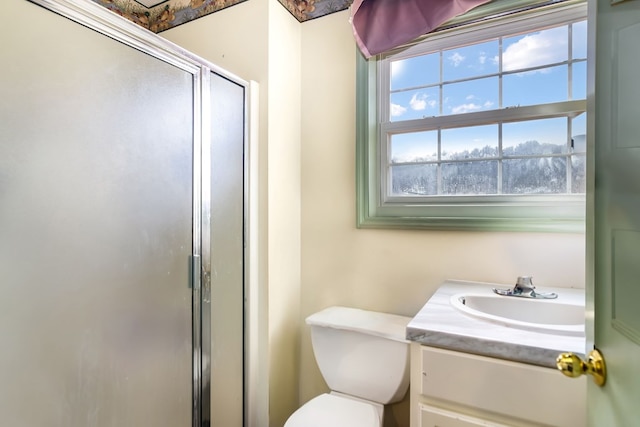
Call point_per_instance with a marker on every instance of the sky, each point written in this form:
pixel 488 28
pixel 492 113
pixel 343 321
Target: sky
pixel 479 61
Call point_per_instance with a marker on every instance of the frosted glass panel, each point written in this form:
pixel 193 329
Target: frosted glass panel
pixel 95 229
pixel 227 253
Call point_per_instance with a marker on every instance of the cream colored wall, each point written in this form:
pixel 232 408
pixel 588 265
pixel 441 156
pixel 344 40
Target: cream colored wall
pixel 313 256
pixel 259 40
pixel 386 270
pixel 284 212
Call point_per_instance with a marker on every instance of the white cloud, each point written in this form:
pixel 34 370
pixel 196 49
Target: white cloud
pixel 482 58
pixel 418 102
pixel 544 47
pixel 397 110
pixel 456 59
pixel 465 108
pixel 488 104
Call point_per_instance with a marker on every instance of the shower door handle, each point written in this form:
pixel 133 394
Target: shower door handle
pixel 194 272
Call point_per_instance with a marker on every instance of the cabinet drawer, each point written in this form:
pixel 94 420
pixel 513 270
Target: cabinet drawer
pixel 430 416
pixel 503 387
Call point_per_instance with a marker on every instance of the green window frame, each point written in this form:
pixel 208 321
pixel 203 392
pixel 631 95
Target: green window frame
pixel 377 209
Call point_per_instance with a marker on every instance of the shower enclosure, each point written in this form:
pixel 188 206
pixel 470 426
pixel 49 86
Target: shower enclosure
pixel 121 188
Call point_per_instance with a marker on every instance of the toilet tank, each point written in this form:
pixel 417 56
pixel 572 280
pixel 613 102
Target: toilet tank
pixel 362 353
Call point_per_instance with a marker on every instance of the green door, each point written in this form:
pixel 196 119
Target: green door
pixel 613 232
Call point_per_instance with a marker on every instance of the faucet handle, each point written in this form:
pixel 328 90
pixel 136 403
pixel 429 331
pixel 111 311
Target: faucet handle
pixel 525 282
pixel 524 288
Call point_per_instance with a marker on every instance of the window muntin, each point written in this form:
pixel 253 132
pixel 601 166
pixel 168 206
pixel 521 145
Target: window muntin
pixel 471 78
pixel 477 147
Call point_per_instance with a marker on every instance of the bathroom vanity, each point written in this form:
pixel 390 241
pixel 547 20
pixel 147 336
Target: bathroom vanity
pixel 468 369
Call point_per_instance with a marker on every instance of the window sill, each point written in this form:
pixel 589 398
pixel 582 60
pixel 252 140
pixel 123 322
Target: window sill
pixel 469 218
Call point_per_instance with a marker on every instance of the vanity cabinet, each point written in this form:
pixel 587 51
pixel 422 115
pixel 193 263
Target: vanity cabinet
pixel 456 389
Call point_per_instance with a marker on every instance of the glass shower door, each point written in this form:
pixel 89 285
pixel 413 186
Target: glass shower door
pixel 96 208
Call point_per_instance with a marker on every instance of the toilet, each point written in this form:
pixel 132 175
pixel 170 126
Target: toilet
pixel 364 358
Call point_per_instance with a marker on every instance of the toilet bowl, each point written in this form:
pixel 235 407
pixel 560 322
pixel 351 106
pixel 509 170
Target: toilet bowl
pixel 364 358
pixel 331 409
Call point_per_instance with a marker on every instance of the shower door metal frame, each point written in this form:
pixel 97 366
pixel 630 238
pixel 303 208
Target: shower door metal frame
pixel 97 18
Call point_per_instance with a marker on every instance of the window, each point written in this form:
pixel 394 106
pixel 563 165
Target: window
pixel 480 127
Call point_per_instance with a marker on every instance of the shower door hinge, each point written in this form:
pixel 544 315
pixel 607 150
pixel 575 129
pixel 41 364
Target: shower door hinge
pixel 194 272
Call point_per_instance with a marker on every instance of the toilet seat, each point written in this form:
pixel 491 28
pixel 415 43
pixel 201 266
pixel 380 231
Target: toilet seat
pixel 329 410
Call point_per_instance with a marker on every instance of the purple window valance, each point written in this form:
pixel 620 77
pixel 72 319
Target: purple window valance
pixel 381 25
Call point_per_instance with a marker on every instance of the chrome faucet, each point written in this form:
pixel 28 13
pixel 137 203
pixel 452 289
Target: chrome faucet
pixel 524 288
pixel 524 284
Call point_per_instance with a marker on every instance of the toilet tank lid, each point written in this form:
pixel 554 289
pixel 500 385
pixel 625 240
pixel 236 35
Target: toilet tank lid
pixel 390 326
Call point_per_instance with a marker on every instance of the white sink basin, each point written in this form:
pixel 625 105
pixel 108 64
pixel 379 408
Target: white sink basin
pixel 550 316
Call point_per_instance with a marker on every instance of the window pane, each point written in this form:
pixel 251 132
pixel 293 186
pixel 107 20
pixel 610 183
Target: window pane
pixel 535 87
pixel 535 137
pixel 470 61
pixel 414 147
pixel 470 178
pixel 412 180
pixel 470 96
pixel 414 104
pixel 535 49
pixel 579 80
pixel 418 71
pixel 474 146
pixel 579 174
pixel 579 39
pixel 470 143
pixel 579 133
pixel 534 176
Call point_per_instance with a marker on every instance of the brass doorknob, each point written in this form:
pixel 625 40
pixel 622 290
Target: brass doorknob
pixel 572 366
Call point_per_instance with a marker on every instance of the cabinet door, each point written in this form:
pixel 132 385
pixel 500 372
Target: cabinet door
pixel 502 387
pixel 431 416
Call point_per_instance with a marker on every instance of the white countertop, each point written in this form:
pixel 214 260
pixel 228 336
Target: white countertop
pixel 438 324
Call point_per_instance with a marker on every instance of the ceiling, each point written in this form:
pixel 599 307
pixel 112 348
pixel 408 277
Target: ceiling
pixel 160 15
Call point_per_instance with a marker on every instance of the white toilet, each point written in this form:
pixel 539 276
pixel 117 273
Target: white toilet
pixel 364 358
